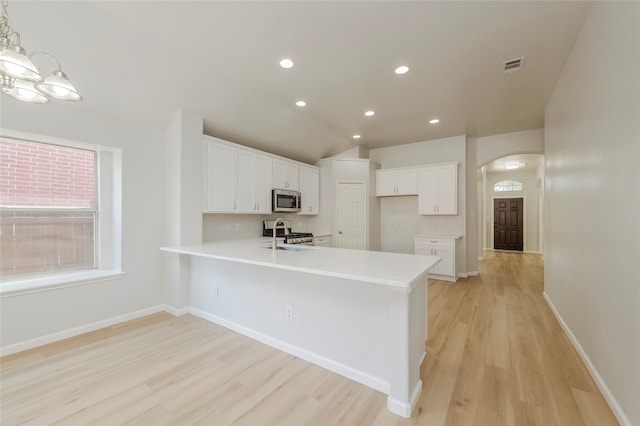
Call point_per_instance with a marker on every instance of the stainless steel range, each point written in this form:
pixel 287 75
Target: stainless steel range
pixel 305 238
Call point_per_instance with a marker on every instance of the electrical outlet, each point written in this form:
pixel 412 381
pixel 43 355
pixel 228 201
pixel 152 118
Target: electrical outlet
pixel 288 312
pixel 215 292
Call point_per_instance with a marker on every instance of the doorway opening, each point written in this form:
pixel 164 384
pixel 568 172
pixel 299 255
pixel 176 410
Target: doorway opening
pixel 517 176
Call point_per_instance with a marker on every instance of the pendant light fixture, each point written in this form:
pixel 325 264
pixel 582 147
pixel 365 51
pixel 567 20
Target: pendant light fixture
pixel 20 78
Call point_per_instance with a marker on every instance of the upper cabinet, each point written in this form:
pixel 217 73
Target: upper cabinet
pixel 310 190
pixel 396 182
pixel 438 190
pixel 221 178
pixel 254 183
pixel 239 179
pixel 285 175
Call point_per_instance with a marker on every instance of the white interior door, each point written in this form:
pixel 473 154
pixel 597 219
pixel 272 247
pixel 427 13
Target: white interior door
pixel 350 216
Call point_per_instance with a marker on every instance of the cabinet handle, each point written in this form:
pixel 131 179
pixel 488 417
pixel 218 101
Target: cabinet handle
pixel 234 205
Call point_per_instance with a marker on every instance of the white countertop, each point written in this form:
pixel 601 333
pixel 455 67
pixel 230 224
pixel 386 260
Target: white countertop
pixel 391 269
pixel 452 236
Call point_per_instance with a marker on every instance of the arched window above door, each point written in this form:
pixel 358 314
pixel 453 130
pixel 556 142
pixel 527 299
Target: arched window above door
pixel 507 186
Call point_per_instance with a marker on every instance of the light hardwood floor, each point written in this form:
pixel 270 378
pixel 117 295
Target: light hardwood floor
pixel 496 356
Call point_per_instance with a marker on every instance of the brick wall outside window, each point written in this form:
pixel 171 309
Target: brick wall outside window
pixel 36 174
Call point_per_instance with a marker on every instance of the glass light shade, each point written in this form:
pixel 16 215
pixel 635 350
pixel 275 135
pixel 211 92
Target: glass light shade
pixel 58 86
pixel 25 91
pixel 15 63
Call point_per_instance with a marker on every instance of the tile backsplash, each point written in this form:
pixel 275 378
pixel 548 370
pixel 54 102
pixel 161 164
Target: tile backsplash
pixel 217 227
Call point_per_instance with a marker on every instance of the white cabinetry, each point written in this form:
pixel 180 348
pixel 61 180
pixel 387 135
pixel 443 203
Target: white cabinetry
pixel 310 190
pixel 254 183
pixel 322 241
pixel 238 179
pixel 285 175
pixel 438 190
pixel 395 182
pixel 443 247
pixel 221 182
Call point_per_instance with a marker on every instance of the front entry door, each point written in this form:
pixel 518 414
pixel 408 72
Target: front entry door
pixel 507 225
pixel 350 216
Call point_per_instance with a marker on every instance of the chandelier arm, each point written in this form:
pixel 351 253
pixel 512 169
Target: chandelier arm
pixel 32 54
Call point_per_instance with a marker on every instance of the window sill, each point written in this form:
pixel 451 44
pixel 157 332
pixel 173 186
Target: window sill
pixel 54 282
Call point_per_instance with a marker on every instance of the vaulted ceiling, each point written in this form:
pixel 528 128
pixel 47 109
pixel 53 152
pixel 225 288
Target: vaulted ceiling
pixel 143 61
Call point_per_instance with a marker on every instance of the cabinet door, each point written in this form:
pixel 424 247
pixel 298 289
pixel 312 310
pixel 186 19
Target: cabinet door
pixel 246 182
pixel 221 178
pixel 254 183
pixel 407 182
pixel 385 183
pixel 445 266
pixel 427 191
pixel 447 190
pixel 285 175
pixel 310 190
pixel 263 184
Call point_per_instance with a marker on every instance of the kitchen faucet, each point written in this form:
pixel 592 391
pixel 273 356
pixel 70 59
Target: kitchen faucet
pixel 274 244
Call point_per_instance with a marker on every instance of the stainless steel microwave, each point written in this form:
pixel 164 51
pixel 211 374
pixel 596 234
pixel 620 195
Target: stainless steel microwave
pixel 286 201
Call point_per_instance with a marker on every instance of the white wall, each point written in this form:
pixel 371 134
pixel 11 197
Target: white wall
pixel 592 272
pixel 473 212
pixel 183 201
pixel 345 168
pixel 399 219
pixel 218 227
pixel 34 316
pixel 497 146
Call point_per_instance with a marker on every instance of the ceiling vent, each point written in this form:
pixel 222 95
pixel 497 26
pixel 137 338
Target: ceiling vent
pixel 513 65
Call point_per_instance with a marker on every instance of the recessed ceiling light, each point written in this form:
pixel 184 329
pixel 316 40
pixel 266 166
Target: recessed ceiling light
pixel 301 103
pixel 434 121
pixel 356 136
pixel 286 63
pixel 513 165
pixel 402 69
pixel 370 113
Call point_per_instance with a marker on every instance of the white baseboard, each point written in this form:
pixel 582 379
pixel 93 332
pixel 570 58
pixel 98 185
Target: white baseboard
pixel 472 273
pixel 175 311
pixel 481 258
pixel 331 365
pixel 608 396
pixel 533 251
pixel 463 275
pixel 72 332
pixel 402 408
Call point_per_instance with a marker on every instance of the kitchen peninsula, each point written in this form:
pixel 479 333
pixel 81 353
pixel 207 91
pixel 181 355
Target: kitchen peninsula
pixel 361 314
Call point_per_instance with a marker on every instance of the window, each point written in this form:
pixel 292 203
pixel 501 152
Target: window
pixel 507 186
pixel 48 201
pixel 59 210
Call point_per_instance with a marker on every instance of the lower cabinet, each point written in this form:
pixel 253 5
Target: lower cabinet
pixel 444 247
pixel 322 241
